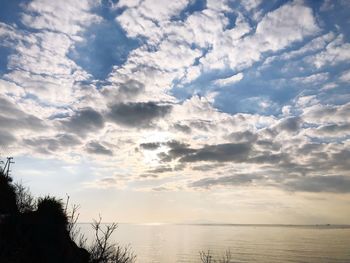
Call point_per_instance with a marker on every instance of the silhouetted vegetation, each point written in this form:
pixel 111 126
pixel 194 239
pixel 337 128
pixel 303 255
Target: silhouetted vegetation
pixel 207 257
pixel 43 230
pixel 24 199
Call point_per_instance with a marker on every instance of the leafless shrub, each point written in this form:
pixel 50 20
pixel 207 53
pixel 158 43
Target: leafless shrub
pixel 207 257
pixel 102 251
pixel 24 199
pixel 72 227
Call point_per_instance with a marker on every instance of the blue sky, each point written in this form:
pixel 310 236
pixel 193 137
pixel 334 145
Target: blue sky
pixel 155 102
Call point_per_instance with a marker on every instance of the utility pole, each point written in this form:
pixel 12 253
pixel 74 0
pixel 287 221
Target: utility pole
pixel 6 170
pixel 1 169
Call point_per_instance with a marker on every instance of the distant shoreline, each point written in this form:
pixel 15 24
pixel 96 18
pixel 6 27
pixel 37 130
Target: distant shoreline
pixel 333 226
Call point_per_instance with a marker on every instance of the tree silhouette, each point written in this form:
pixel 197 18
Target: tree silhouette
pixel 43 231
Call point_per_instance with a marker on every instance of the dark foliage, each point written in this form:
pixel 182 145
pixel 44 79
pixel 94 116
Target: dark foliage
pixel 25 201
pixel 51 209
pixel 43 231
pixel 7 196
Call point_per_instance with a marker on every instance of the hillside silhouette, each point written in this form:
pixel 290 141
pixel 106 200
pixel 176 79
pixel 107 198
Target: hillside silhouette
pixel 41 231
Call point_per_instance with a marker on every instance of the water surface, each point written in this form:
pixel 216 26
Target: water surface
pixel 247 243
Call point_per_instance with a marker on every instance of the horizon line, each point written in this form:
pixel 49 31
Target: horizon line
pixel 221 224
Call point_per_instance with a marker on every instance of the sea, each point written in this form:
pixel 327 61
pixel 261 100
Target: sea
pixel 168 243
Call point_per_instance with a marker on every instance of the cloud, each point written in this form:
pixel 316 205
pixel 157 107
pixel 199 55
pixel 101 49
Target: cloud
pixel 126 90
pixel 182 127
pixel 345 76
pixel 150 145
pixel 6 138
pixel 327 113
pixel 329 130
pixel 336 52
pixel 220 153
pixel 332 184
pixel 243 136
pixel 314 79
pixel 179 52
pixel 251 4
pixel 177 149
pixel 315 45
pixel 315 184
pixel 55 16
pixel 49 145
pixel 278 29
pixel 97 148
pixel 13 118
pixel 137 114
pixel 233 180
pixel 161 169
pixel 290 124
pixel 230 80
pixel 289 23
pixel 83 121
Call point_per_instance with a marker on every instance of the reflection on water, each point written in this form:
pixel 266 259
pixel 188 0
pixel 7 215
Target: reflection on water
pixel 182 243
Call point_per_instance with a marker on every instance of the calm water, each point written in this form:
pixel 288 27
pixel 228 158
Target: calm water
pixel 182 243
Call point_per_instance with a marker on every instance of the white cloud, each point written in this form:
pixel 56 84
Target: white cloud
pixel 251 4
pixel 323 114
pixel 312 46
pixel 336 52
pixel 69 18
pixel 230 80
pixel 289 23
pixel 278 29
pixel 314 79
pixel 345 76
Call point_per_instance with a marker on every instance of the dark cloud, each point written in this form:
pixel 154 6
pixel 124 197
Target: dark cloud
pixel 329 112
pixel 182 127
pixel 268 145
pixel 161 169
pixel 26 121
pixel 267 157
pixel 127 90
pixel 150 145
pixel 148 175
pixel 46 145
pixel 332 184
pixel 131 88
pixel 12 118
pixel 68 139
pixel 83 121
pixel 292 124
pixel 240 179
pixel 203 125
pixel 245 136
pixel 220 153
pixel 6 138
pixel 177 149
pixel 8 108
pixel 340 160
pixel 97 148
pixel 310 148
pixel 217 153
pixel 137 114
pixel 333 129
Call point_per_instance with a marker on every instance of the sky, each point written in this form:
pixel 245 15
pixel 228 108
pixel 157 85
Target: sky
pixel 188 111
